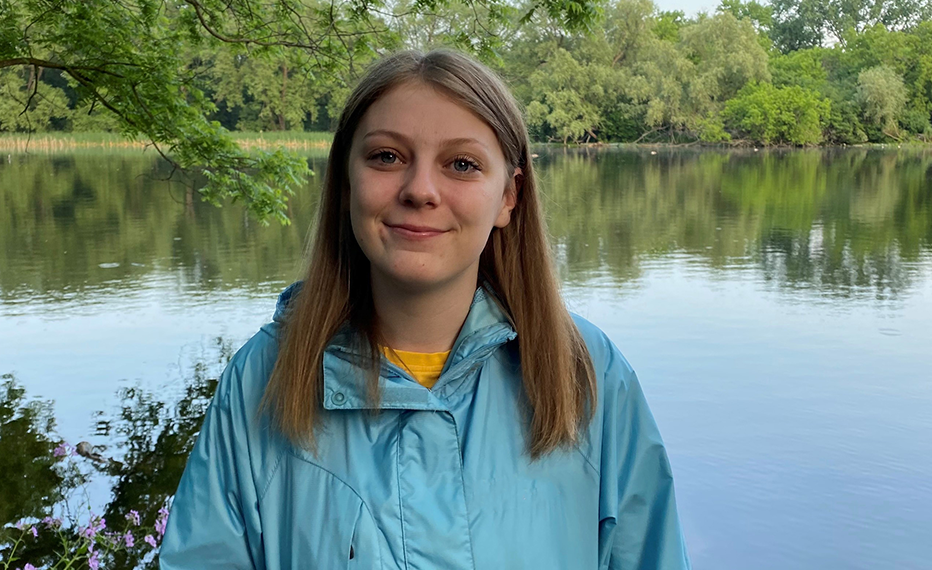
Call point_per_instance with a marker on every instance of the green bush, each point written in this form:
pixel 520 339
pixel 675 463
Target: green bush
pixel 777 115
pixel 915 121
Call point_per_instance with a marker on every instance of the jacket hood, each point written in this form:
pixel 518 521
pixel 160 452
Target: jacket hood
pixel 284 301
pixel 486 328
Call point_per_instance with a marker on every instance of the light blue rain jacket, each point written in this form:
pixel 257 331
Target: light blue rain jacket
pixel 438 480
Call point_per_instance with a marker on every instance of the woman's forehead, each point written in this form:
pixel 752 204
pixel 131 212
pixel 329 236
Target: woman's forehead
pixel 418 112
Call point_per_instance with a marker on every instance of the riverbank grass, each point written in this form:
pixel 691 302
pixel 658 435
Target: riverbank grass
pixel 58 142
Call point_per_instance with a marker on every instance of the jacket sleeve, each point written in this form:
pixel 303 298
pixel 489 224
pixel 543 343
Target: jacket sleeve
pixel 639 527
pixel 213 521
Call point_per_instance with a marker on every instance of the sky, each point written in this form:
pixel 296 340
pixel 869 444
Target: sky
pixel 691 7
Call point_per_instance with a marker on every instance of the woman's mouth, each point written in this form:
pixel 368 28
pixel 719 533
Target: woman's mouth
pixel 411 231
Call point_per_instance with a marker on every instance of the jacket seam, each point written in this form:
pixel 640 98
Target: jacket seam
pixel 331 473
pixel 598 472
pixel 462 384
pixel 401 511
pixel 270 476
pixel 344 483
pixel 459 457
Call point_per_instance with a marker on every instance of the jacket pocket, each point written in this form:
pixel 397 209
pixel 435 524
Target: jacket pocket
pixel 364 548
pixel 312 520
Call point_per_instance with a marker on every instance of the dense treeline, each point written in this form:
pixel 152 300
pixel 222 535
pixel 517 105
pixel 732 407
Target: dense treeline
pixel 797 72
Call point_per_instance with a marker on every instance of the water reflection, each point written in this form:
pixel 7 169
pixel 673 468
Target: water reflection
pixel 31 484
pixel 150 438
pixel 686 258
pixel 837 222
pixel 75 224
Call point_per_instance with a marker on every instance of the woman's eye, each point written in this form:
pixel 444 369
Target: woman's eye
pixel 387 157
pixel 464 164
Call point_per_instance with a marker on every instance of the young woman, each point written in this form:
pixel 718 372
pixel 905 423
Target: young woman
pixel 425 400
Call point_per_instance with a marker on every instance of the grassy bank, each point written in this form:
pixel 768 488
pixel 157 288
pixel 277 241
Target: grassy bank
pixel 58 142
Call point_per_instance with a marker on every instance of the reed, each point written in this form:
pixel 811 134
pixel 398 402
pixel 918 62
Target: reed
pixel 51 143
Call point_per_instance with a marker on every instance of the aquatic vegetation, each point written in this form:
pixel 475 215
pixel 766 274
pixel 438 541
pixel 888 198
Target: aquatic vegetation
pixel 93 544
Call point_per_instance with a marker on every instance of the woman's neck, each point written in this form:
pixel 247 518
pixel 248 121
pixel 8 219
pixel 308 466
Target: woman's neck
pixel 422 321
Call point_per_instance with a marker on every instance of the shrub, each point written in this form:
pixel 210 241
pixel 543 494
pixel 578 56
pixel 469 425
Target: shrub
pixel 777 115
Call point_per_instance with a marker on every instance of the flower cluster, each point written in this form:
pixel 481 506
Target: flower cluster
pixel 63 450
pixel 91 544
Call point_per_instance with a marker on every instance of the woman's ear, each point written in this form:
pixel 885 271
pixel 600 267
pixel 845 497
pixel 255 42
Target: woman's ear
pixel 510 199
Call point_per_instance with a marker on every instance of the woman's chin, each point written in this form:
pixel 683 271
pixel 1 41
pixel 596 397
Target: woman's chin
pixel 419 280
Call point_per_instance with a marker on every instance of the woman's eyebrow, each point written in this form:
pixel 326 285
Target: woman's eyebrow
pixel 405 139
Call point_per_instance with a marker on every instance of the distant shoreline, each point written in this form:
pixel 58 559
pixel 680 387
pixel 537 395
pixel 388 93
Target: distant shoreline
pixel 298 141
pixel 55 142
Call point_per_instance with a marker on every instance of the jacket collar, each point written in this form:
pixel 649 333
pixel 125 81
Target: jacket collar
pixel 345 383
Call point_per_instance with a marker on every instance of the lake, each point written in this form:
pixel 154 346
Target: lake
pixel 777 306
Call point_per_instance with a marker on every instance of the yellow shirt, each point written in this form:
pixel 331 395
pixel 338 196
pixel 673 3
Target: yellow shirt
pixel 425 367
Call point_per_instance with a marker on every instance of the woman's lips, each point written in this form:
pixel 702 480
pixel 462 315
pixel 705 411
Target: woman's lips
pixel 410 231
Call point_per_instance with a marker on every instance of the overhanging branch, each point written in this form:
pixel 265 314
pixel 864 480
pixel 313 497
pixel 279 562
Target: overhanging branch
pixel 35 62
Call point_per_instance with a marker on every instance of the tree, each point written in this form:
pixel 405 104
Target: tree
pixel 626 29
pixel 129 58
pixel 800 24
pixel 668 24
pixel 726 53
pixel 27 104
pixel 570 93
pixel 803 68
pixel 883 95
pixel 683 86
pixel 760 16
pixel 797 24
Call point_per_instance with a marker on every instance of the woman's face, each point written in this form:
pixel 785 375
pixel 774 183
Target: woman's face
pixel 428 182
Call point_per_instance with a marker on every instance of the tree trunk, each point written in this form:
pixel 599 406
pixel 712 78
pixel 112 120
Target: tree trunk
pixel 32 79
pixel 189 202
pixel 281 114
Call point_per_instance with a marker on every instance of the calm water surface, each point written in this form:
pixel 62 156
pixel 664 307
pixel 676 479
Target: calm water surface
pixel 776 306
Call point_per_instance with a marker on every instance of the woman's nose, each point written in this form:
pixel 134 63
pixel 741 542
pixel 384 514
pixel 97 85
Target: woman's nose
pixel 420 186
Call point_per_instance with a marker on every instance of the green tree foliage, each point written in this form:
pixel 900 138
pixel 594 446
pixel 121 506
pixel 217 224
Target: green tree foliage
pixel 800 24
pixel 28 104
pixel 668 24
pixel 797 24
pixel 777 115
pixel 572 91
pixel 883 94
pixel 803 68
pixel 184 73
pixel 760 16
pixel 727 55
pixel 133 60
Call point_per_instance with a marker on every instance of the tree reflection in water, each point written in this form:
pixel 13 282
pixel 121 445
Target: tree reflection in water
pixel 151 438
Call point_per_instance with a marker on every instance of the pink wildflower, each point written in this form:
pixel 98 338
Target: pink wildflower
pixel 161 521
pixel 35 533
pixel 97 524
pixel 150 541
pixel 93 562
pixel 128 538
pixel 133 517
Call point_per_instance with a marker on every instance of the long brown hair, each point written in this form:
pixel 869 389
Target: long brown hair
pixel 558 375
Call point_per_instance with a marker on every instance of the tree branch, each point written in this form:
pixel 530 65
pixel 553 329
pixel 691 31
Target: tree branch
pixel 200 13
pixel 35 89
pixel 35 62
